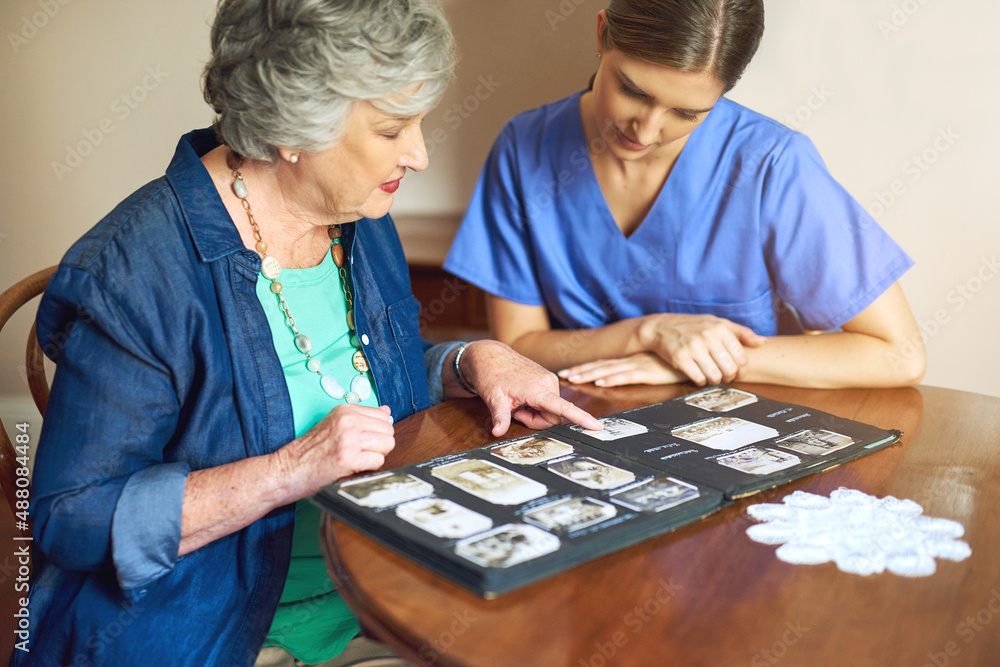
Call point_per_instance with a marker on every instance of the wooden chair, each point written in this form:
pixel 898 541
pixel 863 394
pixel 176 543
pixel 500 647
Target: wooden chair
pixel 10 301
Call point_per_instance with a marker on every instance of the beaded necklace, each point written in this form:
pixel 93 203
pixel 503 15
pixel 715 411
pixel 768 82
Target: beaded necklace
pixel 270 268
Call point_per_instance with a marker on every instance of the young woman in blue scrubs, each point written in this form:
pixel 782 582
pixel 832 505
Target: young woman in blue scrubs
pixel 648 230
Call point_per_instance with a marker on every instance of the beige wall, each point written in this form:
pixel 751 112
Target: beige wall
pixel 875 84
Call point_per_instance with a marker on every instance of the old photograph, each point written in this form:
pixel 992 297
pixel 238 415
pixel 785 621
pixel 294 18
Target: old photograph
pixel 385 490
pixel 531 450
pixel 571 514
pixel 507 545
pixel 443 518
pixel 720 399
pixel 490 481
pixel 591 473
pixel 758 461
pixel 614 428
pixel 655 495
pixel 724 433
pixel 815 441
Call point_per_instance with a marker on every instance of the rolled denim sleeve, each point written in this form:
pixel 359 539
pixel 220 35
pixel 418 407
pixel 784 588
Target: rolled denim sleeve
pixel 105 494
pixel 434 361
pixel 145 540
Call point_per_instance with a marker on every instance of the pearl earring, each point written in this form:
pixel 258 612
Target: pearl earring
pixel 293 158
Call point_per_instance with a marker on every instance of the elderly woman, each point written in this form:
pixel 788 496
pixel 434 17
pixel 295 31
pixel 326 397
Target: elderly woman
pixel 238 334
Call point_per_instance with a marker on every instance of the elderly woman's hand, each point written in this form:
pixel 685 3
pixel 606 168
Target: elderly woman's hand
pixel 514 386
pixel 349 439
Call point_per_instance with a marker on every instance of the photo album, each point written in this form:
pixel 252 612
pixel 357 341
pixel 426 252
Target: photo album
pixel 505 515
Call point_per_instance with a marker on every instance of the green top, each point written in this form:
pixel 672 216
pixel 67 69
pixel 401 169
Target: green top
pixel 312 622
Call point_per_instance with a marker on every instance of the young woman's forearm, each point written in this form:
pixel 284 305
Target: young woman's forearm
pixel 880 347
pixel 558 349
pixel 835 360
pixel 527 329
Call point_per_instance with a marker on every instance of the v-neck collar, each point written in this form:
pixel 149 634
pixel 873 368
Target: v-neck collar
pixel 597 194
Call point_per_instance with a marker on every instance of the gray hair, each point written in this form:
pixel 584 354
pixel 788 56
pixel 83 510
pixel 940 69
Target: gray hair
pixel 287 72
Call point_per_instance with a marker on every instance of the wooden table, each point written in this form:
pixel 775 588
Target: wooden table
pixel 706 594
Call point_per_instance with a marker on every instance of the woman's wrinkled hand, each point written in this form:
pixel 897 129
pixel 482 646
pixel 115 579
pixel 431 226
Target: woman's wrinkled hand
pixel 642 368
pixel 705 348
pixel 349 439
pixel 514 386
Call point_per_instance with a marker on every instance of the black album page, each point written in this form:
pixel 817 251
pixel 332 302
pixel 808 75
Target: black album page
pixel 502 516
pixel 732 440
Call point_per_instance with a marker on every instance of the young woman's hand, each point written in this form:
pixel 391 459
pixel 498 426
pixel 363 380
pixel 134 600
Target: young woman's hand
pixel 705 348
pixel 642 368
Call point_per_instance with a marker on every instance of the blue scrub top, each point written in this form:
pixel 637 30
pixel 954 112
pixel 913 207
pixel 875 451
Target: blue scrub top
pixel 748 218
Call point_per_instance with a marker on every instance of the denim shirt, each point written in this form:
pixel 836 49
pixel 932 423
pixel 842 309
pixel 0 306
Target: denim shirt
pixel 165 365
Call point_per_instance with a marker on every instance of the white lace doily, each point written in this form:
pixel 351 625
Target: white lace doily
pixel 860 533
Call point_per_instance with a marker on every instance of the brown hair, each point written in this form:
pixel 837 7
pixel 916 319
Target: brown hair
pixel 715 36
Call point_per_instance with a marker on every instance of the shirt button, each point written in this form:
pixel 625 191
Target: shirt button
pixel 364 339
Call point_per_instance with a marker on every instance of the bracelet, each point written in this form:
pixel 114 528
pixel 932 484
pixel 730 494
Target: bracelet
pixel 458 371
